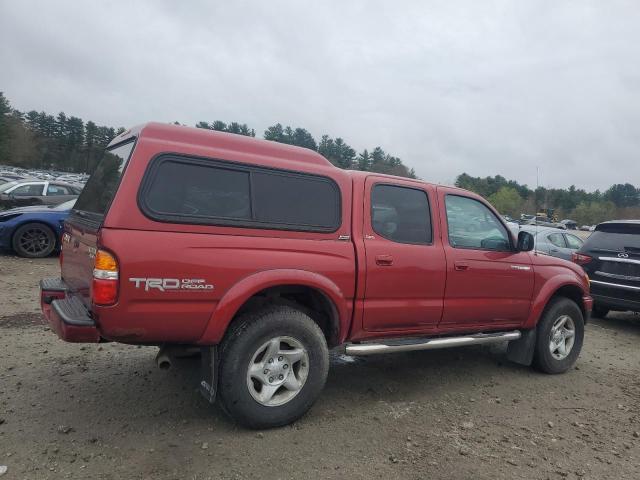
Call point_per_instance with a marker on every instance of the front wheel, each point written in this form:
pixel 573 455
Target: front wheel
pixel 559 337
pixel 273 366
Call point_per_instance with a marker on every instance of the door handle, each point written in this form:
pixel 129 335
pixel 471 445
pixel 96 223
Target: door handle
pixel 384 260
pixel 461 266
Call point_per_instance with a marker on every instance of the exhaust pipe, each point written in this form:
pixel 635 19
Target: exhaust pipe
pixel 409 345
pixel 163 360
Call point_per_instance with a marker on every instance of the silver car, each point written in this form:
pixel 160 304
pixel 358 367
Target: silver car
pixel 553 241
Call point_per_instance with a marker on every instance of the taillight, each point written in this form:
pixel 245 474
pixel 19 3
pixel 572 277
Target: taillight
pixel 104 288
pixel 580 258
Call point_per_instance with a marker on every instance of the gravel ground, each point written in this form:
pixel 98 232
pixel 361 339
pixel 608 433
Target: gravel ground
pixel 105 411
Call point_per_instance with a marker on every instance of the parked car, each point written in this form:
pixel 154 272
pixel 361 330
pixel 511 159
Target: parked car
pixel 570 224
pixel 6 178
pixel 611 258
pixel 33 232
pixel 553 242
pixel 265 255
pixel 36 192
pixel 544 223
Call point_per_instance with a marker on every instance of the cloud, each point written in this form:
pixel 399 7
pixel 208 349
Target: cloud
pixel 495 87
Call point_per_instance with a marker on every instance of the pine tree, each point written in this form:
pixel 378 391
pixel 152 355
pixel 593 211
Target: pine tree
pixel 5 111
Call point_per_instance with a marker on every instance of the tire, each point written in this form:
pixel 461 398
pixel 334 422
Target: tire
pixel 600 312
pixel 34 240
pixel 245 368
pixel 566 313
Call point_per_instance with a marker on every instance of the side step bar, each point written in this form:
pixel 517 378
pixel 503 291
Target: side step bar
pixel 408 345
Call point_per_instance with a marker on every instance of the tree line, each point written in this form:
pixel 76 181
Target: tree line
pixel 67 143
pixel 336 150
pixel 620 201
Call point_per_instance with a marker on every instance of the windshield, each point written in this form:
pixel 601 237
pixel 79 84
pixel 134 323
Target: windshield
pixel 6 186
pixel 68 205
pixel 103 183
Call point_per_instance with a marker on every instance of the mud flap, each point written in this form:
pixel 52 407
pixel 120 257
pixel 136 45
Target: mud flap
pixel 521 351
pixel 209 373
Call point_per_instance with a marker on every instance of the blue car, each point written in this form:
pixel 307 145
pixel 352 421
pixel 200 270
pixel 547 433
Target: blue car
pixel 33 232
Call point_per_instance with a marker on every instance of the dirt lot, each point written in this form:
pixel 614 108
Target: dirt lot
pixel 105 411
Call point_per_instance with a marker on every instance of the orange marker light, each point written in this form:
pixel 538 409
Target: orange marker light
pixel 105 261
pixel 104 288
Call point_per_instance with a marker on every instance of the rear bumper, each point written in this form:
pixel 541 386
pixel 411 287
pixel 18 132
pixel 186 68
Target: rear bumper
pixel 66 314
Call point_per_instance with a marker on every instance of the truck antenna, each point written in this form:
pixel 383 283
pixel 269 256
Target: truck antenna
pixel 535 218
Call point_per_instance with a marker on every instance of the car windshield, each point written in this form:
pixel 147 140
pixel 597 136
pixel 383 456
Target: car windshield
pixel 6 186
pixel 68 205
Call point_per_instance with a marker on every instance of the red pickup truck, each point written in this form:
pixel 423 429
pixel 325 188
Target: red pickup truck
pixel 264 256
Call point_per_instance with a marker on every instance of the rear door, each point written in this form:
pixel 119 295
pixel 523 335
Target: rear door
pixel 558 246
pixel 28 194
pixel 489 284
pixel 405 262
pixel 79 240
pixel 57 193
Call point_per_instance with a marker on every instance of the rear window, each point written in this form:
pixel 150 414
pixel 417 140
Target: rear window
pixel 103 183
pixel 213 192
pixel 604 240
pixel 621 228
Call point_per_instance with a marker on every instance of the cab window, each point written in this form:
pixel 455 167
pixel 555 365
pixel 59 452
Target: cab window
pixel 401 214
pixel 472 224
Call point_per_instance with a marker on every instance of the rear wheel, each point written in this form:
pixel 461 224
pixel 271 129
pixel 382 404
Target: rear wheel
pixel 600 312
pixel 273 366
pixel 559 337
pixel 34 240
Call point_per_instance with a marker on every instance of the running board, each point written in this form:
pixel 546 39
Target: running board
pixel 408 345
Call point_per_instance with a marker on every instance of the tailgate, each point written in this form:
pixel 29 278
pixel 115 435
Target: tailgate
pixel 78 254
pixel 615 251
pixel 80 237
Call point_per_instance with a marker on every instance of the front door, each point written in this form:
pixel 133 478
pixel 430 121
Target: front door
pixel 489 284
pixel 27 194
pixel 404 257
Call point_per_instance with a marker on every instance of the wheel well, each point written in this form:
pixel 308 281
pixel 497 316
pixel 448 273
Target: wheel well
pixel 306 299
pixel 573 293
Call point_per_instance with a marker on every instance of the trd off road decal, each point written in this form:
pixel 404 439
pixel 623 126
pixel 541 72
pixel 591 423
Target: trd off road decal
pixel 172 284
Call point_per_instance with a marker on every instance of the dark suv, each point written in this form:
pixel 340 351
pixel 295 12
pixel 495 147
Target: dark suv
pixel 611 258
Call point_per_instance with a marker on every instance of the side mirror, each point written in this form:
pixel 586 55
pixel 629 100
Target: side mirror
pixel 525 242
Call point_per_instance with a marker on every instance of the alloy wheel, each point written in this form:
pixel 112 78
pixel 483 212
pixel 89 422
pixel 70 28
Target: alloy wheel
pixel 562 337
pixel 277 371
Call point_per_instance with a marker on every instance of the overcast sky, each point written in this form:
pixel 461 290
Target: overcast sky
pixel 485 87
